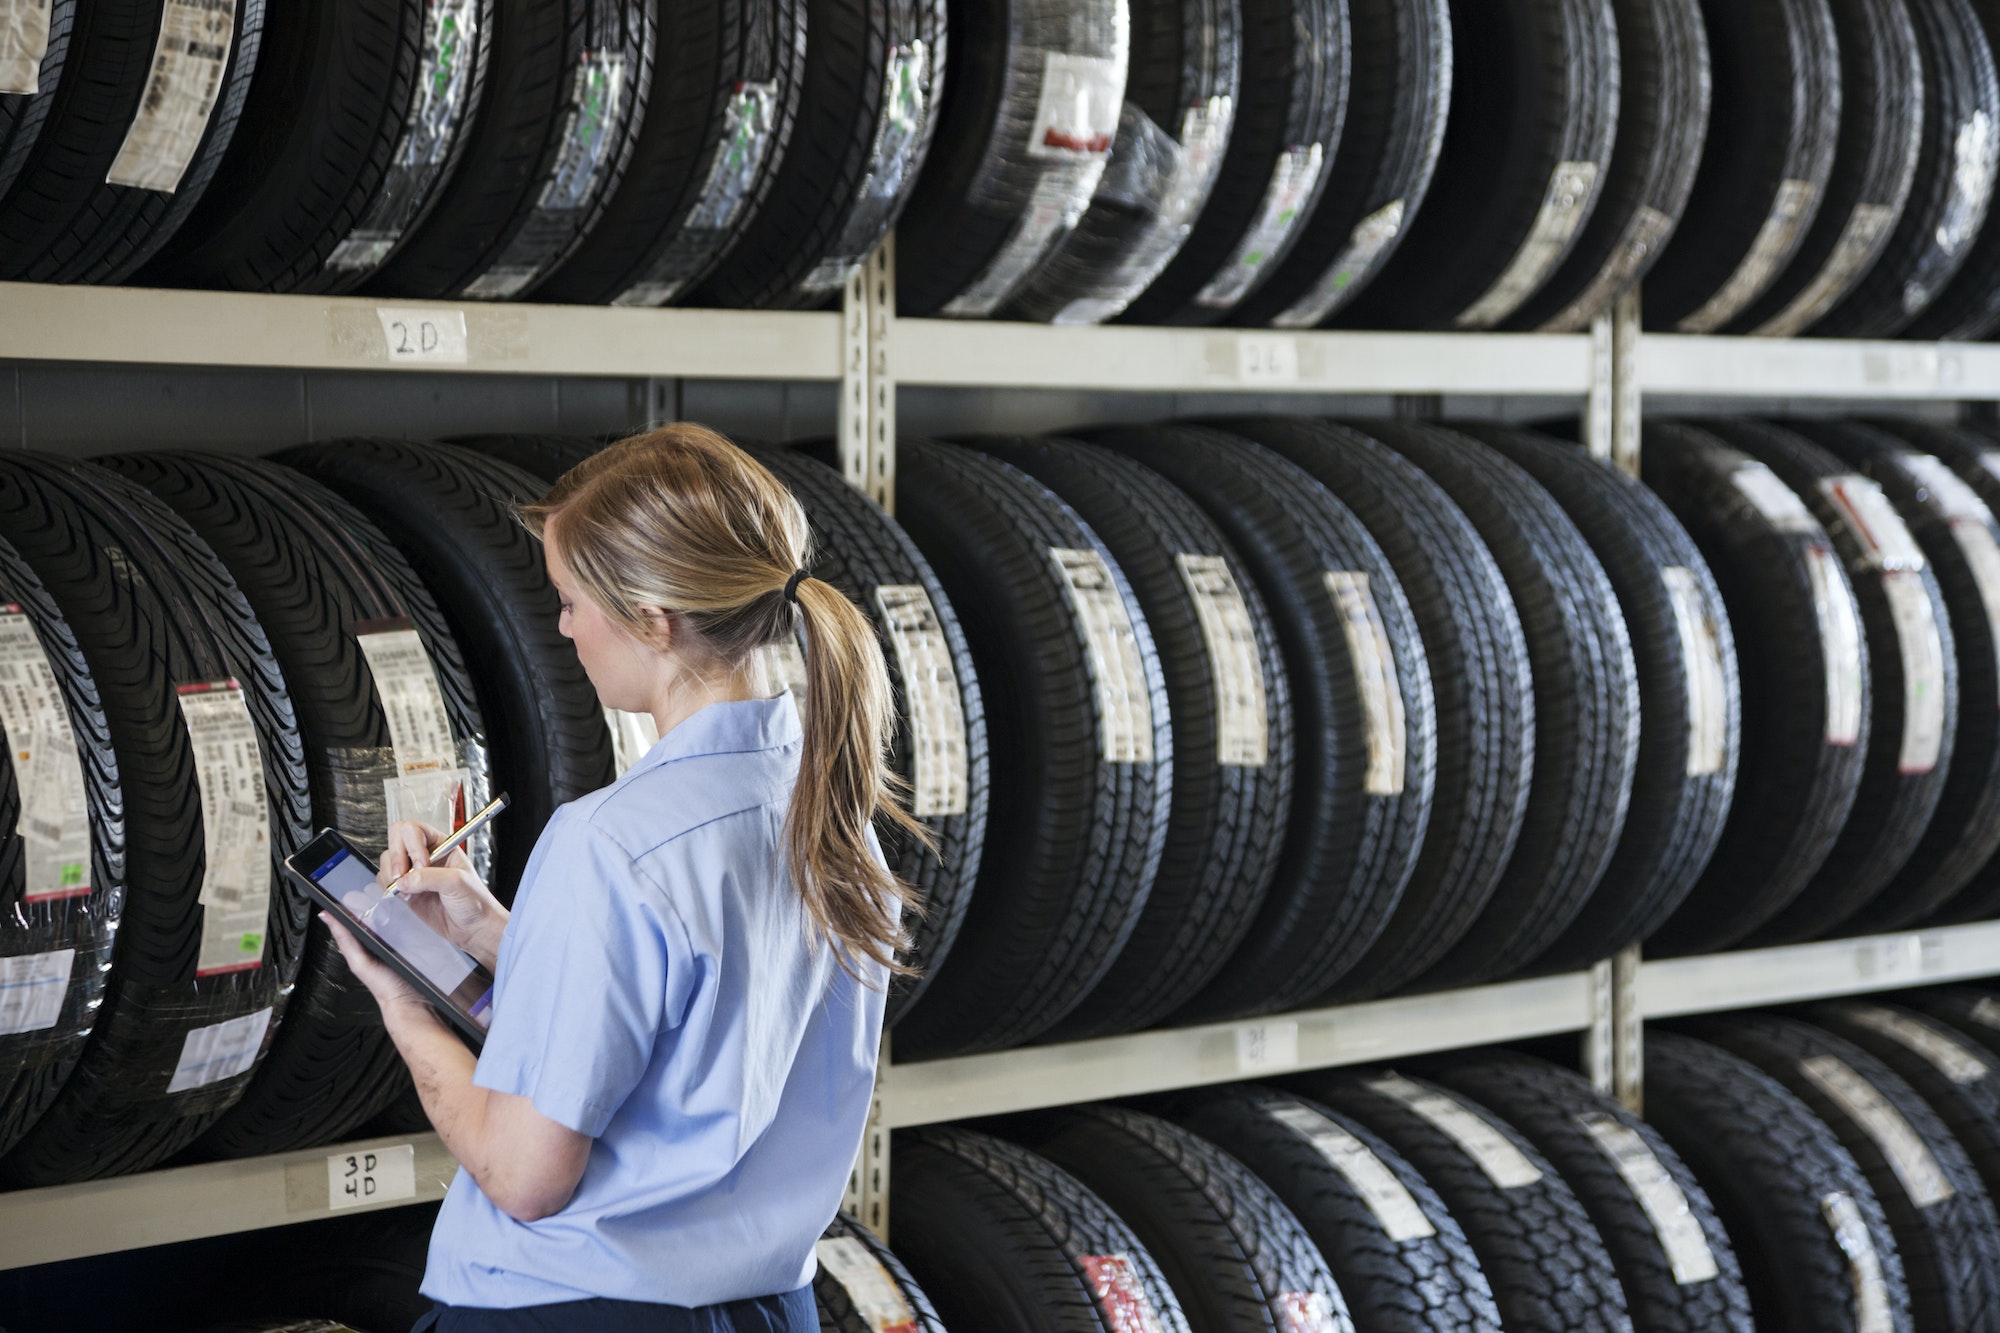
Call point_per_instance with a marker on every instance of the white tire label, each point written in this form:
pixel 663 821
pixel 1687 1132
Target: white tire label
pixel 1947 1054
pixel 1859 244
pixel 189 61
pixel 1243 719
pixel 1118 675
pixel 1369 238
pixel 32 989
pixel 1840 643
pixel 632 734
pixel 406 686
pixel 54 822
pixel 1701 664
pixel 1504 1164
pixel 875 1295
pixel 1077 113
pixel 1375 678
pixel 1666 1206
pixel 1121 1295
pixel 1283 208
pixel 1864 1265
pixel 1908 1155
pixel 1313 1312
pixel 1873 519
pixel 1778 503
pixel 1946 490
pixel 376 1175
pixel 1397 1211
pixel 1572 186
pixel 235 826
pixel 1987 1012
pixel 24 40
pixel 1054 208
pixel 930 696
pixel 220 1051
pixel 1794 203
pixel 1922 651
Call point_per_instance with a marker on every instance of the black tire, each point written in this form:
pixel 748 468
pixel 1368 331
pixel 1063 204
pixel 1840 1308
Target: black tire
pixel 1082 770
pixel 728 77
pixel 449 511
pixel 37 1057
pixel 1959 537
pixel 1806 1227
pixel 1293 98
pixel 1399 1256
pixel 1586 691
pixel 1479 671
pixel 1398 97
pixel 1237 1258
pixel 1663 96
pixel 1673 1258
pixel 1913 681
pixel 1776 107
pixel 1973 1012
pixel 1803 665
pixel 1882 118
pixel 873 74
pixel 1357 820
pixel 1954 183
pixel 1689 699
pixel 1232 775
pixel 1003 1239
pixel 1181 93
pixel 1937 1208
pixel 154 610
pixel 61 219
pixel 533 181
pixel 1968 307
pixel 858 1277
pixel 969 237
pixel 316 573
pixel 315 150
pixel 1547 1265
pixel 1534 109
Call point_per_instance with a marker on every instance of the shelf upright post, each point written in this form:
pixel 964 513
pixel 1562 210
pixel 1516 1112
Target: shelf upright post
pixel 881 273
pixel 867 1198
pixel 852 429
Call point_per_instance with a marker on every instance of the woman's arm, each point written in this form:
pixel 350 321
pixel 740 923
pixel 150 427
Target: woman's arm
pixel 526 1163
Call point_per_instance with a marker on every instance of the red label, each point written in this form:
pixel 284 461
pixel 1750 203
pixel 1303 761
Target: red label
pixel 1076 143
pixel 1308 1312
pixel 1120 1294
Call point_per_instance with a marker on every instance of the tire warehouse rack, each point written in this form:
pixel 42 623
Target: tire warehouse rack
pixel 867 352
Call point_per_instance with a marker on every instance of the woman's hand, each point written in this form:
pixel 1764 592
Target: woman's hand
pixel 449 897
pixel 398 999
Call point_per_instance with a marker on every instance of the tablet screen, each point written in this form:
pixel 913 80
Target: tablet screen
pixel 349 880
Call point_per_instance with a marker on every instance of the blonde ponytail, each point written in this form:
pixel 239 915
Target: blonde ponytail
pixel 680 518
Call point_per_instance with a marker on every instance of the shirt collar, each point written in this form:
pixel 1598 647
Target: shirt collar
pixel 729 728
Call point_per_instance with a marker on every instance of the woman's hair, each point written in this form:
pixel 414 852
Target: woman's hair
pixel 681 519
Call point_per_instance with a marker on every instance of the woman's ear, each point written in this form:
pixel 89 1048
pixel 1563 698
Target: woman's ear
pixel 656 627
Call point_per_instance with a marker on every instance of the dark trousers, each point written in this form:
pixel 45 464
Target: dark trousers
pixel 792 1312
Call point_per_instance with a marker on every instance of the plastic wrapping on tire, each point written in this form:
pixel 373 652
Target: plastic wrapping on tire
pixel 361 774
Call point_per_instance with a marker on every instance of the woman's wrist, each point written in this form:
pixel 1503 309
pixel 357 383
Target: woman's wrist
pixel 484 943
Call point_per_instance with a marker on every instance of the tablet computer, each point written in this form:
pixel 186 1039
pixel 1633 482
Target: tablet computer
pixel 339 878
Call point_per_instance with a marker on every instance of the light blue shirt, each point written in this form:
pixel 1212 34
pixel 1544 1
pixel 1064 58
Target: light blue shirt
pixel 660 989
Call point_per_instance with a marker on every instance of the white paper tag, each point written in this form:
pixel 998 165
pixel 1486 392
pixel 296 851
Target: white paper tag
pixel 1774 244
pixel 1859 243
pixel 875 1295
pixel 407 688
pixel 54 821
pixel 1565 203
pixel 1947 1054
pixel 930 697
pixel 1923 669
pixel 1121 1294
pixel 1267 358
pixel 1665 1205
pixel 1874 521
pixel 1267 1045
pixel 236 826
pixel 1864 1265
pixel 1370 237
pixel 1313 1312
pixel 189 60
pixel 1078 110
pixel 32 989
pixel 1945 490
pixel 1701 664
pixel 632 734
pixel 413 335
pixel 1647 231
pixel 1291 184
pixel 1908 1155
pixel 1840 641
pixel 1124 703
pixel 1395 1209
pixel 24 40
pixel 220 1051
pixel 1777 502
pixel 1242 719
pixel 378 1175
pixel 1504 1164
pixel 1376 679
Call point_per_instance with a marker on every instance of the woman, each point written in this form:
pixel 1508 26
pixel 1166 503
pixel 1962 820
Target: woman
pixel 689 994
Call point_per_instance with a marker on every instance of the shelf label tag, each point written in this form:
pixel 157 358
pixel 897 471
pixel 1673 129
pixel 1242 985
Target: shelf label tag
pixel 32 989
pixel 1399 1214
pixel 1950 1056
pixel 220 1051
pixel 378 1175
pixel 876 1297
pixel 1267 358
pixel 1493 1152
pixel 1267 1046
pixel 1907 1154
pixel 415 336
pixel 1897 958
pixel 1665 1205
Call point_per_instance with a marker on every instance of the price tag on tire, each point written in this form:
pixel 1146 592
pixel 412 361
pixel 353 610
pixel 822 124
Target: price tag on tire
pixel 413 336
pixel 377 1175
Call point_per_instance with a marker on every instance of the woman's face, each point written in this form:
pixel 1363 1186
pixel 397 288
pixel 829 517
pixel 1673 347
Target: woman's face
pixel 625 671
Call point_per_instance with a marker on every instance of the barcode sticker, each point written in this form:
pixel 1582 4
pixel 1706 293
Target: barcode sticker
pixel 1659 1195
pixel 1504 1164
pixel 1121 1294
pixel 182 87
pixel 1864 1265
pixel 1947 1054
pixel 1701 665
pixel 873 1292
pixel 32 989
pixel 1922 650
pixel 1397 1211
pixel 1375 678
pixel 1777 502
pixel 1907 1154
pixel 1884 537
pixel 235 825
pixel 1840 643
pixel 1118 674
pixel 375 1175
pixel 220 1051
pixel 54 822
pixel 940 785
pixel 1243 720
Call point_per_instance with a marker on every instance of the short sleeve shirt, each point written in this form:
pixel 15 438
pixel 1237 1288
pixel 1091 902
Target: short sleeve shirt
pixel 660 989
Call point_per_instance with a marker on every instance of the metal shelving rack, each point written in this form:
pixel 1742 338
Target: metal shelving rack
pixel 868 351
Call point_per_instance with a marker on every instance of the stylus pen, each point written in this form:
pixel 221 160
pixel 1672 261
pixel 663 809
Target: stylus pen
pixel 444 849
